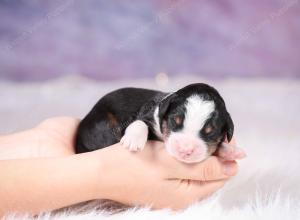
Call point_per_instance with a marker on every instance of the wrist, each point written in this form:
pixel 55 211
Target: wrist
pixel 19 145
pixel 99 165
pixel 110 182
pixel 90 171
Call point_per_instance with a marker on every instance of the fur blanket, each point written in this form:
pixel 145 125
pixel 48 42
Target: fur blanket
pixel 266 115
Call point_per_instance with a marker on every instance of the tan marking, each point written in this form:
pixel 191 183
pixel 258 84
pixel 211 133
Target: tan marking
pixel 211 149
pixel 178 120
pixel 165 131
pixel 214 147
pixel 113 122
pixel 208 129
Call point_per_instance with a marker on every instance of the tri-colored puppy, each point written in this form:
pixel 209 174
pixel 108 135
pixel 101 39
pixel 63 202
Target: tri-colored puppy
pixel 193 122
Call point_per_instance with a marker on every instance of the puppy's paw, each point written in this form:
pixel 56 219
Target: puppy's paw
pixel 133 142
pixel 228 152
pixel 135 136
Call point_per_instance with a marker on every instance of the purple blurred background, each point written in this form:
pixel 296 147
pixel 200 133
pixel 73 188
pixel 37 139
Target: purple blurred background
pixel 138 39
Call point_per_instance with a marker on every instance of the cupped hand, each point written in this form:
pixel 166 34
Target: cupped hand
pixel 152 177
pixel 56 136
pixel 149 177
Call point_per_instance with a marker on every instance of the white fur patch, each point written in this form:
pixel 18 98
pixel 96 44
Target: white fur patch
pixel 197 112
pixel 136 135
pixel 156 125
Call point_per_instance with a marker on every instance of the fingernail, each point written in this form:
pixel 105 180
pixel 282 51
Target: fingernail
pixel 229 168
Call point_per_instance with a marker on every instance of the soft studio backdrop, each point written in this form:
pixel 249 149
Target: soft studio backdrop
pixel 131 38
pixel 59 57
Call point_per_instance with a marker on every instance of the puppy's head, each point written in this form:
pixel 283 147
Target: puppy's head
pixel 193 122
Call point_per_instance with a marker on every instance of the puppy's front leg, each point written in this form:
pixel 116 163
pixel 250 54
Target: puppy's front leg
pixel 136 135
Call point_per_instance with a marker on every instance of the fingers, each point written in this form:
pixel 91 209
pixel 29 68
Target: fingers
pixel 208 170
pixel 227 152
pixel 190 192
pixel 213 168
pixel 230 151
pixel 200 190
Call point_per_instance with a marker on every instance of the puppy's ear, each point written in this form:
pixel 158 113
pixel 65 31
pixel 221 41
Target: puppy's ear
pixel 229 127
pixel 164 105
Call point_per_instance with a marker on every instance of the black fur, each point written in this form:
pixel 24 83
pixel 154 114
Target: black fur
pixel 106 122
pixel 220 119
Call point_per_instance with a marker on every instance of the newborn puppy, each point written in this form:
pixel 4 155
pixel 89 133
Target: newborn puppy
pixel 193 122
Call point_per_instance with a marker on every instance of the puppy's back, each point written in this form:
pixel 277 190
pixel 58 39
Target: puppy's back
pixel 104 125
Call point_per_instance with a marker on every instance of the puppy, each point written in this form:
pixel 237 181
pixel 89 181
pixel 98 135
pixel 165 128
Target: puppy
pixel 193 122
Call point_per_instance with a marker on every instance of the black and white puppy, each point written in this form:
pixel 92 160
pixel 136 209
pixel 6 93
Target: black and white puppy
pixel 193 122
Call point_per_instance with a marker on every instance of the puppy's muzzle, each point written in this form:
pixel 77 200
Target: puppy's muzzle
pixel 186 147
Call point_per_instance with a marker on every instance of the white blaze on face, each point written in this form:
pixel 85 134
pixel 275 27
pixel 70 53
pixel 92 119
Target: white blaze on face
pixel 197 112
pixel 186 145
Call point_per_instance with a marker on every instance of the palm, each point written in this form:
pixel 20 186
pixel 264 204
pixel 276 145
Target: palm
pixel 57 136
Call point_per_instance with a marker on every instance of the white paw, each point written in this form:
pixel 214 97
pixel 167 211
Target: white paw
pixel 135 136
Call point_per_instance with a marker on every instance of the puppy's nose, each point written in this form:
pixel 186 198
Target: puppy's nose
pixel 185 149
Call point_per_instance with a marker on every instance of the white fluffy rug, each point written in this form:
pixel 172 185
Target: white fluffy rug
pixel 266 115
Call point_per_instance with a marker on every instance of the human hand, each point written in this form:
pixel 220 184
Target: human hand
pixel 149 177
pixel 230 151
pixel 54 137
pixel 152 177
